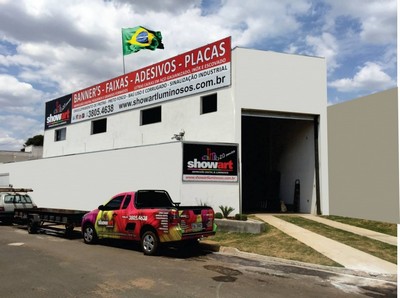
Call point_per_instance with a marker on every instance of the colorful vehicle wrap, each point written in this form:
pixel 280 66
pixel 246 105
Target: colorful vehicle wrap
pixel 130 215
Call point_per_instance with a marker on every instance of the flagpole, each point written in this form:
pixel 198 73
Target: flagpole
pixel 123 56
pixel 123 62
pixel 152 41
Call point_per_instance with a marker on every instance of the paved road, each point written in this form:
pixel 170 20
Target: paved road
pixel 46 265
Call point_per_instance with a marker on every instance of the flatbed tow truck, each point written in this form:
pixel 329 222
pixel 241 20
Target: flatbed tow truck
pixel 49 219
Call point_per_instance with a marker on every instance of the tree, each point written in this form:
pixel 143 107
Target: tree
pixel 35 141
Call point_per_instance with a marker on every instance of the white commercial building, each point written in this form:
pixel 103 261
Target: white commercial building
pixel 212 126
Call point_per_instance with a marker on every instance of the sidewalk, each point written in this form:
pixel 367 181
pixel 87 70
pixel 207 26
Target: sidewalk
pixel 353 229
pixel 345 255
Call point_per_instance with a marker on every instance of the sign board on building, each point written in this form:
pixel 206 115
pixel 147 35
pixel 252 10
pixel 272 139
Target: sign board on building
pixel 58 112
pixel 203 69
pixel 210 162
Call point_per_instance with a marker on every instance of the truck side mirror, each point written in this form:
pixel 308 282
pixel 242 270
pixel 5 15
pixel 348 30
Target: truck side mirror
pixel 101 207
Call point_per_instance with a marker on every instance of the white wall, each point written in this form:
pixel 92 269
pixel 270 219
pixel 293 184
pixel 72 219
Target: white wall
pixel 279 82
pixel 284 83
pixel 299 142
pixel 124 129
pixel 84 181
pixel 212 194
pixel 4 179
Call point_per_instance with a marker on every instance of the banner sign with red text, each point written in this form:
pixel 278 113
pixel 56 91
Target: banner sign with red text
pixel 210 162
pixel 203 69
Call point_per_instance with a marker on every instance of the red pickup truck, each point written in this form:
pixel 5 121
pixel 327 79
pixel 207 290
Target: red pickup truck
pixel 148 216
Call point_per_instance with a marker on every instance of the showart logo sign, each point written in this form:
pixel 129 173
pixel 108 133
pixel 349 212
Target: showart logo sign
pixel 58 112
pixel 210 162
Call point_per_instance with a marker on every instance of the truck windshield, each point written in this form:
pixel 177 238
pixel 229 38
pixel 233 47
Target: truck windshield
pixel 17 198
pixel 152 199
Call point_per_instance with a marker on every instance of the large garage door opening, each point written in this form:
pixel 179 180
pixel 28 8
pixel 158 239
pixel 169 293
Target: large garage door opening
pixel 278 152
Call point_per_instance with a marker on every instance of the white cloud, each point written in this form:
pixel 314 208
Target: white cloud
pixel 67 45
pixel 6 141
pixel 252 22
pixel 376 18
pixel 370 78
pixel 171 6
pixel 377 23
pixel 11 86
pixel 54 49
pixel 16 129
pixel 325 46
pixel 16 95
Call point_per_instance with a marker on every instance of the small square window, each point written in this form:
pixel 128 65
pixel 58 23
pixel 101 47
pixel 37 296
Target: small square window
pixel 99 126
pixel 150 116
pixel 60 134
pixel 208 103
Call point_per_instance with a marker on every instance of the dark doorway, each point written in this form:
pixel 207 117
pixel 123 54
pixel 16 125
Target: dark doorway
pixel 277 151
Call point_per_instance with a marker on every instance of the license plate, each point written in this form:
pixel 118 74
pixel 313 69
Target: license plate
pixel 197 226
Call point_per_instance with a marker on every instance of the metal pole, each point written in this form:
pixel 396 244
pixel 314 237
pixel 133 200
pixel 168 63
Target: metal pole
pixel 123 56
pixel 123 62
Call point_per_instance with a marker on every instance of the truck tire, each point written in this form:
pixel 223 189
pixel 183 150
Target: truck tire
pixel 89 234
pixel 69 230
pixel 32 226
pixel 149 243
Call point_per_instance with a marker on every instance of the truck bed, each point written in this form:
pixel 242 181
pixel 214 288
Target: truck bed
pixel 39 218
pixel 53 211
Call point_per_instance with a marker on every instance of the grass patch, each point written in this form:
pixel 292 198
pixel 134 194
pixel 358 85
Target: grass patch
pixel 379 249
pixel 273 243
pixel 377 226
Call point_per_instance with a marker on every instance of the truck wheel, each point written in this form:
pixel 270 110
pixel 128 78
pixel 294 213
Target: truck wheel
pixel 32 227
pixel 69 230
pixel 89 234
pixel 149 243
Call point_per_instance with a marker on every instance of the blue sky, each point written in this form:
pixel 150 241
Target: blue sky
pixel 50 48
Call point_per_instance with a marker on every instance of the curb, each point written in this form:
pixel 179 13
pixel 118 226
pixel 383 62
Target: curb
pixel 231 251
pixel 239 226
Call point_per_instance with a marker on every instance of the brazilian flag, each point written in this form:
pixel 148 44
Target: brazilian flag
pixel 135 39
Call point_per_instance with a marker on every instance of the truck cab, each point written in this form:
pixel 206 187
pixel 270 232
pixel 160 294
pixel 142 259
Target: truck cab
pixel 11 199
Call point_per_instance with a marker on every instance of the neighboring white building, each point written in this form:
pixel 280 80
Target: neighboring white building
pixel 262 114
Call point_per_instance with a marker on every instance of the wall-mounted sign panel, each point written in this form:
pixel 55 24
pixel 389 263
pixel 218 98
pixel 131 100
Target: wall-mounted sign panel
pixel 58 112
pixel 210 162
pixel 203 69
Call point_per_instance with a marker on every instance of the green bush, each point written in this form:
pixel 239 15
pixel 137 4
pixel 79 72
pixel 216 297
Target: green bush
pixel 241 217
pixel 226 210
pixel 218 215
